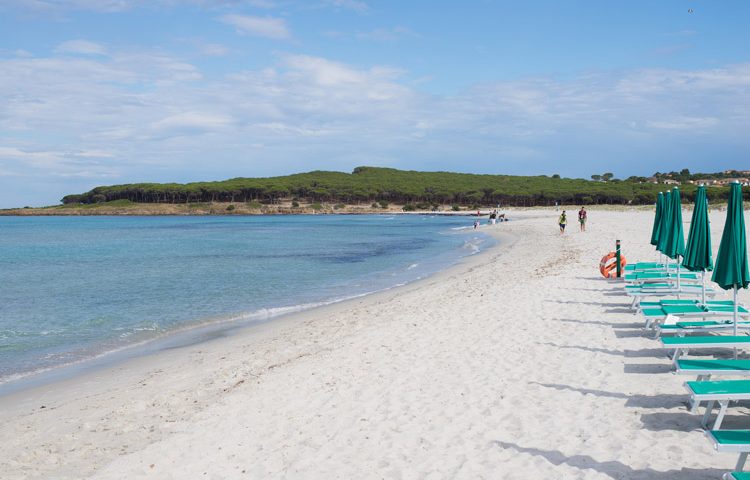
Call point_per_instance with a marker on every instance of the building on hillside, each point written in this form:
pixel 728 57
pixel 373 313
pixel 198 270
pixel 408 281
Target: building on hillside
pixel 670 181
pixel 727 181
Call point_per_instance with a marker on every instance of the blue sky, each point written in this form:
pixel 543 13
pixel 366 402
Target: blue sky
pixel 97 92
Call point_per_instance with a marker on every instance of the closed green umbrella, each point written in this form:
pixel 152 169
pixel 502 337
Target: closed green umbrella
pixel 664 227
pixel 675 246
pixel 731 270
pixel 698 249
pixel 657 219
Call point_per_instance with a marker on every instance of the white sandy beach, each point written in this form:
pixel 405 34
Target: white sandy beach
pixel 520 363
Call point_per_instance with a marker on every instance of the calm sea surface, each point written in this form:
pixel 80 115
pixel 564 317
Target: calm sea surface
pixel 75 288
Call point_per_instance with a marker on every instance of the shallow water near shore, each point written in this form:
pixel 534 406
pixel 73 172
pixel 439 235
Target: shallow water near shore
pixel 76 288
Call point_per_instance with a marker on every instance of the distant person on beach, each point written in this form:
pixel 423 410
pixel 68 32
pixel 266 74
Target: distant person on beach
pixel 582 218
pixel 563 221
pixel 476 224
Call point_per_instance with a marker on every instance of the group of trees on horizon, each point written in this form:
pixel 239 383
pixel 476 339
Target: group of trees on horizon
pixel 682 176
pixel 373 184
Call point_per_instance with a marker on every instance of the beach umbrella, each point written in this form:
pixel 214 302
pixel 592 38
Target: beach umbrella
pixel 698 249
pixel 731 269
pixel 666 210
pixel 675 246
pixel 657 219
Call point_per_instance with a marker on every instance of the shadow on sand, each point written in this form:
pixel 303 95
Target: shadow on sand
pixel 643 353
pixel 600 322
pixel 661 401
pixel 612 468
pixel 648 368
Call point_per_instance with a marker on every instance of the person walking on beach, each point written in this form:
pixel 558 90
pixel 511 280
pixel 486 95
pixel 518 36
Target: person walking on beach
pixel 582 218
pixel 563 221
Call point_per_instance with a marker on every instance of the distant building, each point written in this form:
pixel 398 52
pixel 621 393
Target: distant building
pixel 727 181
pixel 669 181
pixel 705 181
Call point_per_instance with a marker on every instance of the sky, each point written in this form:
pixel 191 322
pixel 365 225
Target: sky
pixel 101 92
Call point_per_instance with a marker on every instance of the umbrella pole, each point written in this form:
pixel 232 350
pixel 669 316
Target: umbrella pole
pixel 735 318
pixel 703 287
pixel 677 259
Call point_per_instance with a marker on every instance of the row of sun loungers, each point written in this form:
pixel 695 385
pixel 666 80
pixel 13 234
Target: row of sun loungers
pixel 676 322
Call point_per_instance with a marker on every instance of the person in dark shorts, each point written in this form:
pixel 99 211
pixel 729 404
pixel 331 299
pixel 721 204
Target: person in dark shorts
pixel 563 221
pixel 582 218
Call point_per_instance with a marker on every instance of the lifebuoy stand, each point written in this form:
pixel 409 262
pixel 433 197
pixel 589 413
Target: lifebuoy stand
pixel 617 259
pixel 611 264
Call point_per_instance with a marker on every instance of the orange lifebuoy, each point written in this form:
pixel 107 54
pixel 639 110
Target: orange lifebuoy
pixel 608 265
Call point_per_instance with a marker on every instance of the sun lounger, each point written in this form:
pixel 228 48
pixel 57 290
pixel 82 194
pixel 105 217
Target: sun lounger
pixel 703 369
pixel 737 441
pixel 737 476
pixel 683 344
pixel 685 301
pixel 707 326
pixel 643 266
pixel 722 392
pixel 639 292
pixel 666 289
pixel 661 277
pixel 711 309
pixel 671 302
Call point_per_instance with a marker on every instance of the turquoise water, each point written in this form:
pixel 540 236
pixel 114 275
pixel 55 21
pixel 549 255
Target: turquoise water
pixel 75 288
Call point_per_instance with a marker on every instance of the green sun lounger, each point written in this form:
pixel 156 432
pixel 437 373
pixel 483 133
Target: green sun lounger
pixel 681 302
pixel 703 369
pixel 711 309
pixel 733 441
pixel 722 392
pixel 658 277
pixel 657 287
pixel 639 292
pixel 685 301
pixel 643 266
pixel 695 310
pixel 705 326
pixel 737 476
pixel 682 344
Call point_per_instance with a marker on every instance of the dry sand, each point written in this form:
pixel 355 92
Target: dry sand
pixel 520 363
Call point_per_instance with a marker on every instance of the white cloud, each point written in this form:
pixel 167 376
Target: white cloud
pixel 56 163
pixel 133 115
pixel 356 5
pixel 694 124
pixel 268 27
pixel 190 122
pixel 83 47
pixel 114 6
pixel 213 49
pixel 386 34
pixel 57 6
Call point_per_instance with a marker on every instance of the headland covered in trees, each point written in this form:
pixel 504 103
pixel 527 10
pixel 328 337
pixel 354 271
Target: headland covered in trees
pixel 376 188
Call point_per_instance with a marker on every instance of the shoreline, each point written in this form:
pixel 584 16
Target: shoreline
pixel 198 333
pixel 126 377
pixel 520 362
pixel 238 209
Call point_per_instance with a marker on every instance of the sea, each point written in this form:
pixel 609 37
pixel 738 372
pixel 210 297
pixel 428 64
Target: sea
pixel 76 289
